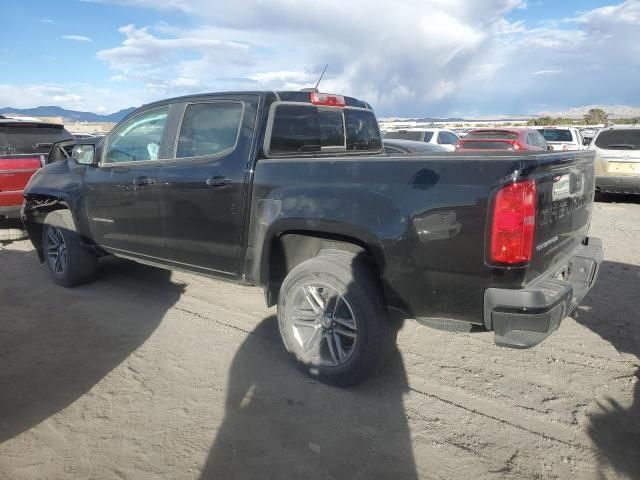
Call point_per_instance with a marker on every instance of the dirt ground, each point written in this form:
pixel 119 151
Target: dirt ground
pixel 148 374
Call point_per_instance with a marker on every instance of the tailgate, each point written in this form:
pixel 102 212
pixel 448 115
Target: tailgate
pixel 15 172
pixel 565 186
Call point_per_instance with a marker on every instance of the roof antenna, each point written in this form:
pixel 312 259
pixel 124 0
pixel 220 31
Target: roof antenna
pixel 321 75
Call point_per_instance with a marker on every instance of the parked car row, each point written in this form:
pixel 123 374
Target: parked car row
pixel 617 148
pixel 499 138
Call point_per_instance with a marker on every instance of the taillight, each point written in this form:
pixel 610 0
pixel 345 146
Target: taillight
pixel 514 215
pixel 458 145
pixel 518 146
pixel 326 99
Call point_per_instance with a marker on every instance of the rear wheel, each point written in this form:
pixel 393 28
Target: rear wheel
pixel 68 262
pixel 333 321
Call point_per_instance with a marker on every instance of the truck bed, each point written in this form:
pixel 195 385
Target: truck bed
pixel 425 218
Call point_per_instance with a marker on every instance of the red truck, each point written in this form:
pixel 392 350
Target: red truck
pixel 24 148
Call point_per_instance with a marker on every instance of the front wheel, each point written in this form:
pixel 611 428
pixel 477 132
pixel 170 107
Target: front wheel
pixel 68 261
pixel 333 321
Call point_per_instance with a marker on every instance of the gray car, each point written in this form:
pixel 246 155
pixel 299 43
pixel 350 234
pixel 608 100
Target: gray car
pixel 410 146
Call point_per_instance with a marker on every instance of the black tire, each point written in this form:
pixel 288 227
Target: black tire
pixel 348 287
pixel 71 264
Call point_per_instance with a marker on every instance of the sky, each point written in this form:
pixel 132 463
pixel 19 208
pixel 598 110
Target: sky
pixel 405 57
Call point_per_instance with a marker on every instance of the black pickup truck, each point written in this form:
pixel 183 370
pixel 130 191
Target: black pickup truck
pixel 291 191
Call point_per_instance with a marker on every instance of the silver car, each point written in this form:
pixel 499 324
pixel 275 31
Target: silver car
pixel 617 159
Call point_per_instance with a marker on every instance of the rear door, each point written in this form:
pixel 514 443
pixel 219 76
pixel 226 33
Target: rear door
pixel 203 183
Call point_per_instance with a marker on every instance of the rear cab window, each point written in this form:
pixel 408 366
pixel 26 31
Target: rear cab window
pixel 298 128
pixel 619 139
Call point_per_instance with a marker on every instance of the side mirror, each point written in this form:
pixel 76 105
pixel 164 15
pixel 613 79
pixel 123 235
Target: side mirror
pixel 549 147
pixel 84 154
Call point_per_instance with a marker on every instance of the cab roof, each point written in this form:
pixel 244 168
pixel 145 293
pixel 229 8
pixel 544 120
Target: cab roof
pixel 271 96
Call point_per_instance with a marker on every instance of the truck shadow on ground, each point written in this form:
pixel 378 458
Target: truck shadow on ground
pixel 50 357
pixel 611 311
pixel 279 423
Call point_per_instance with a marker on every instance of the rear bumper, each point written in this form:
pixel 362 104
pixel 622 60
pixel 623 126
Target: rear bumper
pixel 523 318
pixel 618 184
pixel 11 211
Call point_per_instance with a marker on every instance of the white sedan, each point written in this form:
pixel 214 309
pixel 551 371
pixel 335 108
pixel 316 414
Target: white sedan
pixel 436 136
pixel 563 138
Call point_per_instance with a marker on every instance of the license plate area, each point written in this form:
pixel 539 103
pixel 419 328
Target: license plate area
pixel 623 167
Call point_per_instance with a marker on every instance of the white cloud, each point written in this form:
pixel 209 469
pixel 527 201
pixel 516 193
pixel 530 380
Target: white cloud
pixel 46 20
pixel 550 71
pixel 77 38
pixel 414 57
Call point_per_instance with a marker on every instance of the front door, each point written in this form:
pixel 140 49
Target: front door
pixel 204 184
pixel 123 193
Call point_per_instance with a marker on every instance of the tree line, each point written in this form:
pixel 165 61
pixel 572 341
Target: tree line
pixel 595 116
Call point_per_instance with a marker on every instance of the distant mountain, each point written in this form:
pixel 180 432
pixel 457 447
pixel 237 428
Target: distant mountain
pixel 68 115
pixel 421 120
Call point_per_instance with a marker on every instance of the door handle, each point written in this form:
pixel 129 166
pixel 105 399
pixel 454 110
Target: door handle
pixel 218 181
pixel 141 181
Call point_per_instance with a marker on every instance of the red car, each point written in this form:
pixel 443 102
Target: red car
pixel 502 139
pixel 24 148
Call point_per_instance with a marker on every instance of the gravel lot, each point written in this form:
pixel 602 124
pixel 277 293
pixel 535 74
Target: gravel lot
pixel 149 374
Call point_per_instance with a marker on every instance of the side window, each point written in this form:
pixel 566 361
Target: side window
pixel 209 129
pixel 137 139
pixel 532 140
pixel 454 138
pixel 446 138
pixel 542 143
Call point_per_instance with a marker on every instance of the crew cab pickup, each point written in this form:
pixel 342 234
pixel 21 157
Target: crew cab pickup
pixel 291 191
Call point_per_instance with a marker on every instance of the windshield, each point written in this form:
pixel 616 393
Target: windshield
pixel 492 135
pixel 556 134
pixel 619 139
pixel 30 139
pixel 419 136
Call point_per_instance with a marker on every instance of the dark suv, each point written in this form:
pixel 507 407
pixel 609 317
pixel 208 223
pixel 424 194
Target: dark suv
pixel 24 148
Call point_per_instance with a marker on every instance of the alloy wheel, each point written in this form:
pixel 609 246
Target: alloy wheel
pixel 324 326
pixel 56 250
